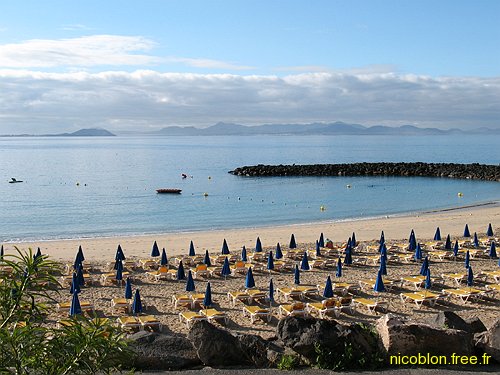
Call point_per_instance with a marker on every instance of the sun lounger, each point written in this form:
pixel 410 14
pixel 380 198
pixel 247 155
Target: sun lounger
pixel 345 303
pixel 456 277
pixel 218 259
pixel 257 257
pixel 283 265
pixel 129 322
pixel 288 293
pixel 120 303
pixel 238 296
pixel 418 299
pixel 239 268
pixel 416 281
pixel 371 304
pixel 495 275
pixel 368 284
pixel 181 300
pixel 441 255
pixel 147 264
pixel 294 309
pixel 110 278
pixel 493 288
pixel 84 305
pixel 215 315
pixel 189 317
pixel 318 263
pixel 197 299
pixel 307 290
pixel 161 272
pixel 214 271
pixel 324 308
pixel 465 294
pixel 149 321
pixel 255 312
pixel 256 295
pixel 200 270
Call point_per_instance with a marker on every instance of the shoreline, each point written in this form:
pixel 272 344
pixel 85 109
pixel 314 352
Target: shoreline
pixel 396 226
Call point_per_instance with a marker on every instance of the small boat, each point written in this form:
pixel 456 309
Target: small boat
pixel 168 191
pixel 14 181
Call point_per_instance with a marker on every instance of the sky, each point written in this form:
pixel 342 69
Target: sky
pixel 143 65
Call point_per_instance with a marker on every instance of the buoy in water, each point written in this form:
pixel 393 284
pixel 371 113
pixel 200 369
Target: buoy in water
pixel 205 194
pixel 460 194
pixel 348 186
pixel 322 208
pixel 209 177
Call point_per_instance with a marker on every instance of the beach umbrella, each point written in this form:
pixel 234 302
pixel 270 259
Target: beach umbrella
pixel 80 254
pixel 207 301
pixel 489 232
pixel 181 275
pixel 271 291
pixel 192 252
pixel 38 253
pixel 467 259
pixel 348 256
pixel 318 251
pixel 339 268
pixel 304 264
pixel 155 251
pixel 493 250
pixel 136 303
pixel 437 235
pixel 353 239
pixel 75 307
pixel 225 248
pixel 425 266
pixel 455 249
pixel 328 291
pixel 249 280
pixel 164 259
pixel 128 289
pixel 383 265
pixel 349 244
pixel 466 231
pixel 119 271
pixel 78 262
pixel 293 244
pixel 1 253
pixel 447 244
pixel 119 254
pixel 418 253
pixel 476 240
pixel 279 253
pixel 413 241
pixel 190 283
pixel 296 275
pixel 270 261
pixel 244 254
pixel 75 285
pixel 226 269
pixel 116 265
pixel 382 238
pixel 206 259
pixel 258 246
pixel 470 277
pixel 384 250
pixel 321 241
pixel 379 283
pixel 428 283
pixel 79 276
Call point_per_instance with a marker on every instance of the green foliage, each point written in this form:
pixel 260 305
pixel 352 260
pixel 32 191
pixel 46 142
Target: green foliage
pixel 28 345
pixel 288 362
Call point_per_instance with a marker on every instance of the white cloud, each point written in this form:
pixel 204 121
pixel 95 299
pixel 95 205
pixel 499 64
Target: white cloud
pixel 208 63
pixel 84 51
pixel 42 102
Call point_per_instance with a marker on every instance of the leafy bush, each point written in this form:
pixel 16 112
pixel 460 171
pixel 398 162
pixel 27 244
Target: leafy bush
pixel 288 362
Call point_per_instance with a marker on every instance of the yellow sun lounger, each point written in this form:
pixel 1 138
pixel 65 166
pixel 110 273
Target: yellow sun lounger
pixel 66 306
pixel 294 309
pixel 290 293
pixel 456 277
pixel 200 270
pixel 189 317
pixel 465 294
pixel 239 268
pixel 370 304
pixel 255 312
pixel 493 288
pixel 418 299
pixel 149 321
pixel 324 308
pixel 182 300
pixel 160 273
pixel 238 296
pixel 214 315
pixel 495 275
pixel 256 295
pixel 129 322
pixel 120 303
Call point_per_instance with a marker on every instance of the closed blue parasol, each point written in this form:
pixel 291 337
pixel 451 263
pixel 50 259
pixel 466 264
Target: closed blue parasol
pixel 119 271
pixel 304 264
pixel 75 285
pixel 447 244
pixel 279 253
pixel 382 238
pixel 318 251
pixel 181 275
pixel 328 291
pixel 155 251
pixel 296 279
pixel 271 291
pixel 80 277
pixel 119 254
pixel 353 239
pixel 270 261
pixel 475 242
pixel 1 253
pixel 75 307
pixel 116 265
pixel 225 248
pixel 383 251
pixel 466 231
pixel 467 259
pixel 244 254
pixel 470 277
pixel 258 246
pixel 249 280
pixel 428 283
pixel 136 303
pixel 207 301
pixel 293 244
pixel 379 283
pixel 164 259
pixel 80 254
pixel 321 241
pixel 412 241
pixel 190 287
pixel 192 252
pixel 128 289
pixel 348 256
pixel 489 231
pixel 493 251
pixel 339 268
pixel 38 253
pixel 383 264
pixel 437 235
pixel 226 269
pixel 418 253
pixel 206 259
pixel 455 249
pixel 425 266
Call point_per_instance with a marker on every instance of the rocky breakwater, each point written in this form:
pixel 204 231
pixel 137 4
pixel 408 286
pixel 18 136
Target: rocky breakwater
pixel 449 170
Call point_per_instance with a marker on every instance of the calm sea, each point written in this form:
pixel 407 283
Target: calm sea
pixel 85 187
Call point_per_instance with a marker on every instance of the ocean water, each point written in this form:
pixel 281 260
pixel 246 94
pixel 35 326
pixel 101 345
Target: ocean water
pixel 86 187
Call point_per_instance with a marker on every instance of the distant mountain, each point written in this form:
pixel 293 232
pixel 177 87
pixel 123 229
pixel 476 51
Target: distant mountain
pixel 335 128
pixel 93 132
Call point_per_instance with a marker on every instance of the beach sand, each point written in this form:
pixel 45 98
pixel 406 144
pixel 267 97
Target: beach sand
pixel 157 295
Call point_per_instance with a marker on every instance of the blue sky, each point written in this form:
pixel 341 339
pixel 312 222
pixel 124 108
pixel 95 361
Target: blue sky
pixel 124 65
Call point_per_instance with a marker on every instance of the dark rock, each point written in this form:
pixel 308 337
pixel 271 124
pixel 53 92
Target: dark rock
pixel 475 325
pixel 489 341
pixel 401 338
pixel 155 351
pixel 449 319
